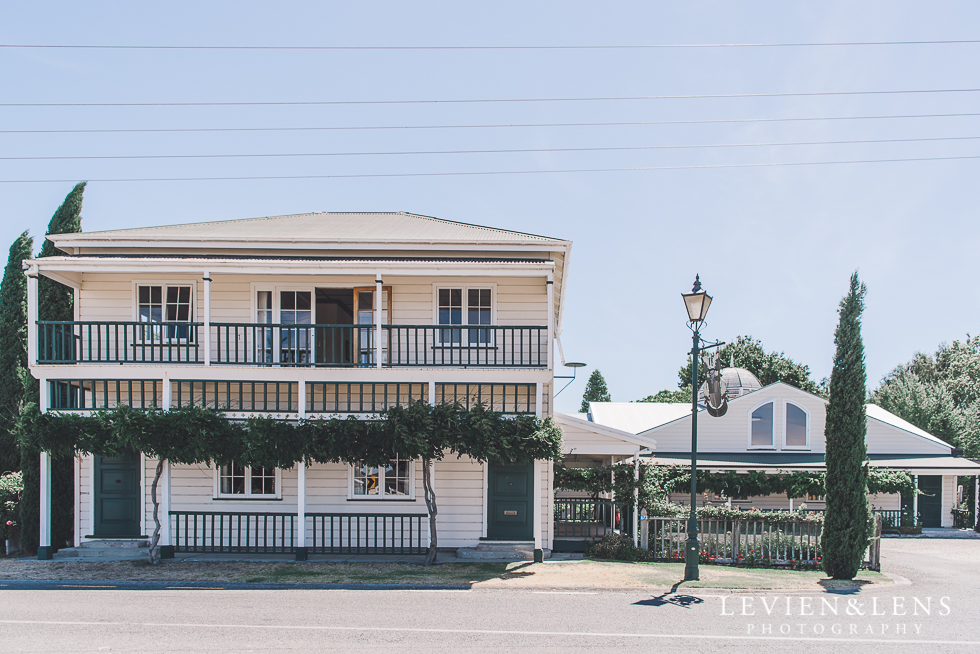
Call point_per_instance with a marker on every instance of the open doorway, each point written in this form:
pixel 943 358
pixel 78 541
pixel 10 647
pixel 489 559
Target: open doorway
pixel 335 344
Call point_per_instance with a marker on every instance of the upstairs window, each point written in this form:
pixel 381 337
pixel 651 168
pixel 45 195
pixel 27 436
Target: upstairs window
pixel 797 428
pixel 164 303
pixel 761 426
pixel 475 305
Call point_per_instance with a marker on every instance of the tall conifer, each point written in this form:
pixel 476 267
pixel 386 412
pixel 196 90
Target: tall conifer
pixel 595 391
pixel 846 521
pixel 13 349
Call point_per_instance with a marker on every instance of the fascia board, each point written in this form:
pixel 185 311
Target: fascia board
pixel 298 244
pixel 266 267
pixel 564 286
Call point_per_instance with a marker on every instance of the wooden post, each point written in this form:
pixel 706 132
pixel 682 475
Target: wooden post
pixel 536 485
pixel 32 300
pixel 207 318
pixel 301 549
pixel 377 319
pixel 44 550
pixel 915 502
pixel 636 495
pixel 551 320
pixel 976 501
pixel 644 530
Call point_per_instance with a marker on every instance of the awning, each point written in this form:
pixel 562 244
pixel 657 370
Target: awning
pixel 809 461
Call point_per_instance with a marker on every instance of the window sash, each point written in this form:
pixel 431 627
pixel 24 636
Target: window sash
pixel 475 305
pixel 237 481
pixel 391 481
pixel 165 303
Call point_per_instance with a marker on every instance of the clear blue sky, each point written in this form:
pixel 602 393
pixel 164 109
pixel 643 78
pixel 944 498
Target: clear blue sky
pixel 774 245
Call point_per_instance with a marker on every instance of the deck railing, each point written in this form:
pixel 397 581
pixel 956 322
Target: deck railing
pixel 275 532
pixel 589 519
pixel 892 518
pixel 256 533
pixel 369 533
pixel 492 346
pixel 291 345
pixel 94 394
pixel 60 342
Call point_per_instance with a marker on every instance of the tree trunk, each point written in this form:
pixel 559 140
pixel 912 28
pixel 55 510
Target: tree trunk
pixel 154 550
pixel 430 505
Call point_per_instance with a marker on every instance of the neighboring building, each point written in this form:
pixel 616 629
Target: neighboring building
pixel 779 428
pixel 317 314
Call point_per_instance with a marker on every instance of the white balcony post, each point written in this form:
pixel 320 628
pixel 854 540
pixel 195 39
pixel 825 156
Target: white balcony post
pixel 301 551
pixel 551 321
pixel 377 319
pixel 207 318
pixel 536 485
pixel 166 400
pixel 538 400
pixel 32 300
pixel 915 501
pixel 44 537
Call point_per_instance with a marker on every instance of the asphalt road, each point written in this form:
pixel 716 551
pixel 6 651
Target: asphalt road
pixel 936 611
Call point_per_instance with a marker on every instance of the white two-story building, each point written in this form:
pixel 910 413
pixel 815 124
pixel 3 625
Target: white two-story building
pixel 321 314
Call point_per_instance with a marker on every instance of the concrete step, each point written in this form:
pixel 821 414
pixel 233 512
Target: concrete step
pixel 102 554
pixel 498 553
pixel 506 546
pixel 116 543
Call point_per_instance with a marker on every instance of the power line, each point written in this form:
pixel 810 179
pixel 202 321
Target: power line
pixel 485 126
pixel 481 101
pixel 504 151
pixel 355 48
pixel 492 172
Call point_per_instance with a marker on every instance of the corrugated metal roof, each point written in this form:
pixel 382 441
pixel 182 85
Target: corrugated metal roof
pixel 636 417
pixel 810 461
pixel 876 412
pixel 356 227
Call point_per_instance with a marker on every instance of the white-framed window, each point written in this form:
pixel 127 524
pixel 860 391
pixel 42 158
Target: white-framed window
pixel 236 481
pixel 166 302
pixel 796 427
pixel 291 307
pixel 393 481
pixel 463 306
pixel 762 426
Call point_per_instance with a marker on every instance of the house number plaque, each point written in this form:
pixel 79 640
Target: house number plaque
pixel 510 512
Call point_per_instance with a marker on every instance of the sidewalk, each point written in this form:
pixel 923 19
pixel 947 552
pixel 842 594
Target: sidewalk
pixel 938 533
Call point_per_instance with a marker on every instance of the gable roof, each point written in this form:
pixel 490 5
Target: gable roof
pixel 875 412
pixel 578 420
pixel 317 227
pixel 636 417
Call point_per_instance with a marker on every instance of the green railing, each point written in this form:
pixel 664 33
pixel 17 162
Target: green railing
pixel 243 396
pixel 362 397
pixel 281 344
pixel 369 533
pixel 491 346
pixel 60 342
pixel 93 394
pixel 503 398
pixel 230 531
pixel 589 519
pixel 892 518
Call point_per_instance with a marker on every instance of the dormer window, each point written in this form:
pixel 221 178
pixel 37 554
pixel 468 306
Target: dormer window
pixel 797 433
pixel 761 423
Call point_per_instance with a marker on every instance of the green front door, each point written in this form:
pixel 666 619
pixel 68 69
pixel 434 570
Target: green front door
pixel 510 515
pixel 117 496
pixel 931 500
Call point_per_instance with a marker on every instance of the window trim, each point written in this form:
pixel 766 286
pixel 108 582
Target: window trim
pixel 247 495
pixel 772 445
pixel 802 408
pixel 164 284
pixel 465 287
pixel 380 497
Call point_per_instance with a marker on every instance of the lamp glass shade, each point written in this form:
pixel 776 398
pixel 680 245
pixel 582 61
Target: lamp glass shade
pixel 697 305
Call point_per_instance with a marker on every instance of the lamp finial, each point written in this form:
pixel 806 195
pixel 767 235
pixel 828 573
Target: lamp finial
pixel 697 284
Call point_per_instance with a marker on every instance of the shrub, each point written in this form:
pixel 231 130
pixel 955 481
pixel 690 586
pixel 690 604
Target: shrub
pixel 618 547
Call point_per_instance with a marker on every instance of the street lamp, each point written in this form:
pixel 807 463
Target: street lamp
pixel 697 303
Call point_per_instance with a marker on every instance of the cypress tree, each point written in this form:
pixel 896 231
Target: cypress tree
pixel 55 302
pixel 595 391
pixel 846 521
pixel 13 350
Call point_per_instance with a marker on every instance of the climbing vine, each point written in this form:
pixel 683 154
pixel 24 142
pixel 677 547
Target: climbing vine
pixel 658 481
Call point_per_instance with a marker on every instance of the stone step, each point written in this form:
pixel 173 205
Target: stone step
pixel 478 554
pixel 116 543
pixel 102 553
pixel 506 546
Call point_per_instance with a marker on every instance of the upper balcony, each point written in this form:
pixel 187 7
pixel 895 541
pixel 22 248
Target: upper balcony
pixel 292 345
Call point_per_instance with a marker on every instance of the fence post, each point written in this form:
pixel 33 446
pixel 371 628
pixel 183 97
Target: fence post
pixel 736 540
pixel 644 530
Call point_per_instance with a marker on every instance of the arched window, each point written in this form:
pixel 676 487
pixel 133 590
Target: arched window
pixel 760 434
pixel 797 427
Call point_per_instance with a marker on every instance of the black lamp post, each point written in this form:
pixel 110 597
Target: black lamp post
pixel 697 303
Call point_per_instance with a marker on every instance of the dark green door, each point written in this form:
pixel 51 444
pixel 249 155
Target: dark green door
pixel 117 496
pixel 931 500
pixel 509 502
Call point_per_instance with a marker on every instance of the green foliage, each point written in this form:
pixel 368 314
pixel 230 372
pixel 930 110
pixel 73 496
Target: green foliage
pixel 11 487
pixel 13 349
pixel 682 395
pixel 203 436
pixel 770 367
pixel 845 536
pixel 30 499
pixel 618 547
pixel 939 393
pixel 54 299
pixel 595 391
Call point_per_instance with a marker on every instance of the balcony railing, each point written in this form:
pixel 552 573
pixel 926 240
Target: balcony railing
pixel 290 345
pixel 118 342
